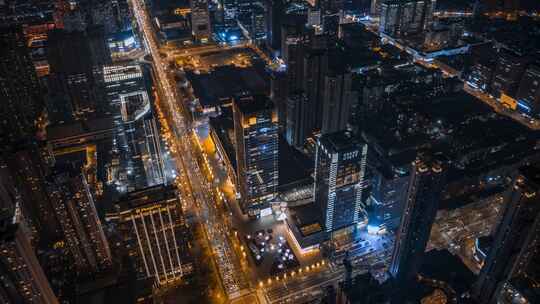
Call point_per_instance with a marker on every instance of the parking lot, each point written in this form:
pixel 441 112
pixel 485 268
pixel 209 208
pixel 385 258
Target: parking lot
pixel 270 252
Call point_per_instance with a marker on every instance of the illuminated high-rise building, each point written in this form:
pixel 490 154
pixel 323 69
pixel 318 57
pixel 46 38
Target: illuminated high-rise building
pixel 200 20
pixel 388 195
pixel 512 264
pixel 405 17
pixel 136 144
pixel 230 12
pixel 340 165
pixel 258 22
pixel 256 133
pixel 22 279
pixel 480 75
pixel 389 17
pixel 252 20
pixel 424 193
pixel 152 227
pixel 81 227
pixel 508 72
pixel 528 94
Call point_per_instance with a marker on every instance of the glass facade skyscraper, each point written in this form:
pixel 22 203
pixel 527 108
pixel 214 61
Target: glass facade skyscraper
pixel 340 165
pixel 424 193
pixel 136 145
pixel 402 18
pixel 256 132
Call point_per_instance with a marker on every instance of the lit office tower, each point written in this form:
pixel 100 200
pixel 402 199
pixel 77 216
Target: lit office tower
pixel 411 16
pixel 388 196
pixel 136 143
pixel 405 17
pixel 389 17
pixel 19 88
pixel 200 20
pixel 230 11
pixel 508 72
pixel 424 193
pixel 514 255
pixel 340 165
pixel 22 279
pixel 480 75
pixel 258 22
pixel 337 101
pixel 528 94
pixel 152 227
pixel 256 133
pixel 76 211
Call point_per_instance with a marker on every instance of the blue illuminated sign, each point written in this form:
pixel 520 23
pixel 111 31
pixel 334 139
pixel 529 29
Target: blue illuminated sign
pixel 524 106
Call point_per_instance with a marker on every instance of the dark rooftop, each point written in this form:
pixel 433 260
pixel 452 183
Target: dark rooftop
pixel 338 141
pixel 170 18
pixel 225 82
pixel 79 128
pixel 147 196
pixel 306 215
pixel 253 103
pixel 468 198
pixel 484 243
pixel 464 129
pixel 75 159
pixel 443 266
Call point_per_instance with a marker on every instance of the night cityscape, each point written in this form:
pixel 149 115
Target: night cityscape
pixel 270 151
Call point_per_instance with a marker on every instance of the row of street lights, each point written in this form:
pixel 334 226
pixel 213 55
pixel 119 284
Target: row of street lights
pixel 292 273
